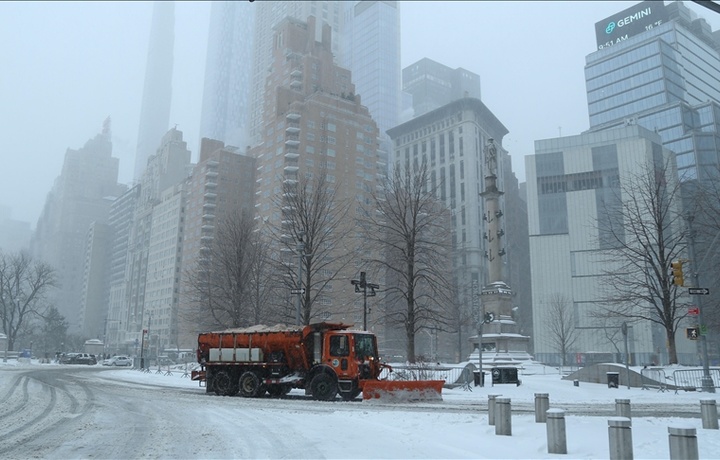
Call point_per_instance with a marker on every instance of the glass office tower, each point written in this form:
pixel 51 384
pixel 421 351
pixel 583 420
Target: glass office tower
pixel 370 49
pixel 658 66
pixel 228 74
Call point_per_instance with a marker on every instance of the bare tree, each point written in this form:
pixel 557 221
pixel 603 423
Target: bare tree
pixel 53 331
pixel 642 231
pixel 560 325
pixel 230 281
pixel 261 280
pixel 23 286
pixel 410 225
pixel 314 232
pixel 461 316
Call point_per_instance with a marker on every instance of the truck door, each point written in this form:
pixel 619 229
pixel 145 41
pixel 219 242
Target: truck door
pixel 339 352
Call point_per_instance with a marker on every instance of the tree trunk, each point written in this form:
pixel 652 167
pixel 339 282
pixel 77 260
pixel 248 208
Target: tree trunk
pixel 672 349
pixel 458 354
pixel 410 333
pixel 411 346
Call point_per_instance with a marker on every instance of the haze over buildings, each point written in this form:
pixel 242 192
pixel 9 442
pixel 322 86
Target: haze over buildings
pixel 228 74
pixel 157 92
pixel 326 102
pixel 81 196
pixel 97 53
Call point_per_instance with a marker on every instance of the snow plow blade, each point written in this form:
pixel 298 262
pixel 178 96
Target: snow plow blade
pixel 403 390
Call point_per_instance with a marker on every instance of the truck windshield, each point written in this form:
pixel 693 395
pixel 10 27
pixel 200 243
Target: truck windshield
pixel 364 346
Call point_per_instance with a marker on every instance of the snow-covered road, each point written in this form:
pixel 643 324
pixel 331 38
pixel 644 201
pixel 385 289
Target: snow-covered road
pixel 70 412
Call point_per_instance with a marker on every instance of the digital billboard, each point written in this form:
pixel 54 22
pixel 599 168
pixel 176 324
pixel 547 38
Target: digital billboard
pixel 627 23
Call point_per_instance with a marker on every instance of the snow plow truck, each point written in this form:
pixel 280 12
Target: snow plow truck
pixel 324 359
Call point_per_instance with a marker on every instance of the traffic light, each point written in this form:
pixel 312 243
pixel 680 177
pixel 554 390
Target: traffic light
pixel 677 273
pixel 692 333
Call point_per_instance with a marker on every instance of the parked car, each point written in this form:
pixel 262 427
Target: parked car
pixel 78 358
pixel 121 361
pixel 84 358
pixel 67 358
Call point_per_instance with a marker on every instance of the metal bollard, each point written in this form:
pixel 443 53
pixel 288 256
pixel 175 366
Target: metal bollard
pixel 491 408
pixel 622 408
pixel 709 414
pixel 556 438
pixel 683 443
pixel 620 438
pixel 542 404
pixel 503 420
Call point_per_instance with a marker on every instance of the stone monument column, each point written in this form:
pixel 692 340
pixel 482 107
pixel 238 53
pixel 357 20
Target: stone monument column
pixel 501 334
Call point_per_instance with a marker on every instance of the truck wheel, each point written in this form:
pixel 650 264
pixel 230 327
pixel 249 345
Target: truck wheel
pixel 222 384
pixel 323 387
pixel 249 384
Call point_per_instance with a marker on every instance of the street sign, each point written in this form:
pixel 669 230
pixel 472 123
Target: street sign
pixel 297 291
pixel 693 311
pixel 698 291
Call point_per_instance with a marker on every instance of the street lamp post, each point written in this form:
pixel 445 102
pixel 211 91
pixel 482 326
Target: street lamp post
pixel 624 329
pixel 361 287
pixel 142 345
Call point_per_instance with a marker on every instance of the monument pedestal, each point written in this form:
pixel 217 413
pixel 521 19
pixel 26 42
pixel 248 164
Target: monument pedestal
pixel 502 344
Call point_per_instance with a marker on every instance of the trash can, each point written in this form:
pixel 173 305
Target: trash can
pixel 479 378
pixel 613 379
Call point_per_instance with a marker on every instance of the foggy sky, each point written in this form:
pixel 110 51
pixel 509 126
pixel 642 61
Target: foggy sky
pixel 69 65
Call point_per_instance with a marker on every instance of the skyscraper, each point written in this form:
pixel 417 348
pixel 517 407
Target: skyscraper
pixel 157 90
pixel 228 73
pixel 433 84
pixel 315 124
pixel 267 16
pixel 117 318
pixel 658 66
pixel 154 244
pixel 370 49
pixel 81 195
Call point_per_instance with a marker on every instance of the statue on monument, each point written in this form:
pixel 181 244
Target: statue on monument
pixel 491 156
